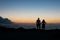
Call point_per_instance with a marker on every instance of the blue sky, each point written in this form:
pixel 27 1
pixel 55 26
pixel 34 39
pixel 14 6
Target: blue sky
pixel 49 9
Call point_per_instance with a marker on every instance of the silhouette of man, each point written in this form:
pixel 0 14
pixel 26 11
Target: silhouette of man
pixel 38 23
pixel 43 24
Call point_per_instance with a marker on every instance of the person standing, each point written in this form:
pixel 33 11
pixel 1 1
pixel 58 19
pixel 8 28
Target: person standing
pixel 38 23
pixel 43 24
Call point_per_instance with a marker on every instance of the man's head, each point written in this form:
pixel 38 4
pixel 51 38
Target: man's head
pixel 38 18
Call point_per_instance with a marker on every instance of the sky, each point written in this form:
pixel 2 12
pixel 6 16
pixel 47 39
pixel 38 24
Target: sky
pixel 27 11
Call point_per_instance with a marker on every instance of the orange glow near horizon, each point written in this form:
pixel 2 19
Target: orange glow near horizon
pixel 53 21
pixel 23 20
pixel 33 20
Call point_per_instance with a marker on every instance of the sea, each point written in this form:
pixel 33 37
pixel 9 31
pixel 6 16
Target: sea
pixel 30 26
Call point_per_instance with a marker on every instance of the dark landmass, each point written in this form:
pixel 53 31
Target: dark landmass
pixel 5 20
pixel 21 33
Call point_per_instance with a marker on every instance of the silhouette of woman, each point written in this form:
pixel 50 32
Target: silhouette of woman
pixel 38 23
pixel 43 24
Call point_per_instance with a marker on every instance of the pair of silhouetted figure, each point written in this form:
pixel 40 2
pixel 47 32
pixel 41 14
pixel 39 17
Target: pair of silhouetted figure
pixel 38 23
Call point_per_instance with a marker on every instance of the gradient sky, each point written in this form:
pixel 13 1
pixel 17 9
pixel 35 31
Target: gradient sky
pixel 27 11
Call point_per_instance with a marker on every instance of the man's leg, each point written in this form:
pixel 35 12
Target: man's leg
pixel 37 26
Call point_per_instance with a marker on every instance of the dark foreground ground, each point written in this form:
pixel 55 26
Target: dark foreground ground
pixel 21 33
